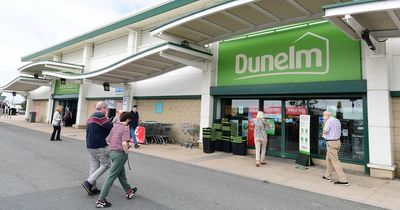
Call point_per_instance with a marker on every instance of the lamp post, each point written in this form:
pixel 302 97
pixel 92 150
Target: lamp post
pixel 13 94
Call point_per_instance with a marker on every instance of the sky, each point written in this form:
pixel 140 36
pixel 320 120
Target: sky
pixel 29 26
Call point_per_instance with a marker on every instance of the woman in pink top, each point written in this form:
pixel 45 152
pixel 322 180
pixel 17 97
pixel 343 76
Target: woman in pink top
pixel 118 141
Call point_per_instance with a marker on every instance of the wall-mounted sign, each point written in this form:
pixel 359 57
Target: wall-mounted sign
pixel 119 91
pixel 158 107
pixel 319 52
pixel 68 88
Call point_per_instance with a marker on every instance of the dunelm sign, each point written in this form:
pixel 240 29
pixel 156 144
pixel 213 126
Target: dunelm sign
pixel 314 53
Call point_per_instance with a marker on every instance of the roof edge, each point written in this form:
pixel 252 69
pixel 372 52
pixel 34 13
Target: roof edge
pixel 349 3
pixel 119 24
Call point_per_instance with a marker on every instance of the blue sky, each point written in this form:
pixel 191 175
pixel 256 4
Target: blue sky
pixel 28 26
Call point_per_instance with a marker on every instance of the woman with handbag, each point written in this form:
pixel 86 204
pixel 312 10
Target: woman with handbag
pixel 260 138
pixel 57 120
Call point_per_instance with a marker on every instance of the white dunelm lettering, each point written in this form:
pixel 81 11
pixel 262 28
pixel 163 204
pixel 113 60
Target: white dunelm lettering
pixel 281 61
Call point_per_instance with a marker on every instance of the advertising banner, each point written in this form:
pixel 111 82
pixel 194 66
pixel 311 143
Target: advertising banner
pixel 304 134
pixel 318 52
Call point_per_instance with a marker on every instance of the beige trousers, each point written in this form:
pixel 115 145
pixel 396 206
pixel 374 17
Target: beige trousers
pixel 332 161
pixel 261 147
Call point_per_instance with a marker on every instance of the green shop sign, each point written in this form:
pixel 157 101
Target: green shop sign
pixel 68 88
pixel 313 53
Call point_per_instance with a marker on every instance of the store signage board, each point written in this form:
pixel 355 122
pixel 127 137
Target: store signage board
pixel 313 53
pixel 304 134
pixel 68 88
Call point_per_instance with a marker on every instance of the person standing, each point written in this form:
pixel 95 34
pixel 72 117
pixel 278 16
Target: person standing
pixel 331 132
pixel 260 138
pixel 56 122
pixel 67 117
pixel 118 139
pixel 133 124
pixel 97 129
pixel 116 118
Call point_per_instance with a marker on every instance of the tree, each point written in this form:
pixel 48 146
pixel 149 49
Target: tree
pixel 23 105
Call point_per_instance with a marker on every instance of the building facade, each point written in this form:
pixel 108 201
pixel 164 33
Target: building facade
pixel 198 61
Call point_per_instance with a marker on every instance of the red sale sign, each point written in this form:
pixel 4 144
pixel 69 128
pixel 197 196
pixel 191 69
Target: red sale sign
pixel 250 133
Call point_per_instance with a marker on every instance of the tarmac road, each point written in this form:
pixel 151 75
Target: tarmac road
pixel 38 174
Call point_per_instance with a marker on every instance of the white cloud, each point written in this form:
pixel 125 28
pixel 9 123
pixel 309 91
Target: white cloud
pixel 28 26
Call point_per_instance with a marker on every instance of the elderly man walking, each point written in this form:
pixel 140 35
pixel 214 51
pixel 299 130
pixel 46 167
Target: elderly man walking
pixel 331 132
pixel 97 129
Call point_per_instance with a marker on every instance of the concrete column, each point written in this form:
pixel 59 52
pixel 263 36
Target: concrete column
pixel 129 90
pixel 133 36
pixel 57 57
pixel 50 102
pixel 380 123
pixel 28 105
pixel 82 113
pixel 86 55
pixel 127 100
pixel 207 101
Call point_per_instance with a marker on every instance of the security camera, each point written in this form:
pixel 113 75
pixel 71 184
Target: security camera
pixel 365 37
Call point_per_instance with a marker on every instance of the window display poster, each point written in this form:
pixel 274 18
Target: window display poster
pixel 270 130
pixel 241 110
pixel 304 134
pixel 234 127
pixel 250 133
pixel 245 127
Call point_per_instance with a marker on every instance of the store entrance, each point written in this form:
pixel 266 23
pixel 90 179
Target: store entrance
pixel 72 105
pixel 284 115
pixel 284 142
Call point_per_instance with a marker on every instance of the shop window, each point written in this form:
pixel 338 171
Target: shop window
pixel 350 114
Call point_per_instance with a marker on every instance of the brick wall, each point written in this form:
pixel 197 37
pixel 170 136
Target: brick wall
pixel 40 107
pixel 175 111
pixel 396 122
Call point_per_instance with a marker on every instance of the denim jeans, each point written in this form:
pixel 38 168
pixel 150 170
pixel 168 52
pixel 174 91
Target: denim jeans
pixel 99 163
pixel 133 136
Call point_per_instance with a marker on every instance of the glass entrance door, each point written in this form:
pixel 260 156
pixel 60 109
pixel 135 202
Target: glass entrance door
pixel 273 113
pixel 293 110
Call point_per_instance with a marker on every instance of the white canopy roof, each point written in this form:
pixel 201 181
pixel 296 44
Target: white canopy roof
pixel 239 17
pixel 380 18
pixel 24 84
pixel 54 66
pixel 143 65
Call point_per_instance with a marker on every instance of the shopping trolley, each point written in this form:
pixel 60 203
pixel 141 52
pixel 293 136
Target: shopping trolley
pixel 191 130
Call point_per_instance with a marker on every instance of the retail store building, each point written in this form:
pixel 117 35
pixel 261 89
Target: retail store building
pixel 196 61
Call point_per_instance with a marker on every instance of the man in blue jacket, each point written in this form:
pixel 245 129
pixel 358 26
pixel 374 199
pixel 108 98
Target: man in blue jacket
pixel 97 129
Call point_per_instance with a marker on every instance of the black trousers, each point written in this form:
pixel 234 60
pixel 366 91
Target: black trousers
pixel 56 129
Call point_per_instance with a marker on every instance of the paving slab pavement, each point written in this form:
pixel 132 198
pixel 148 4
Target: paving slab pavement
pixel 363 189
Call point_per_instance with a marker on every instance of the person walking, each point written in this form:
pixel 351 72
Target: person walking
pixel 260 138
pixel 56 122
pixel 331 132
pixel 97 129
pixel 118 139
pixel 133 124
